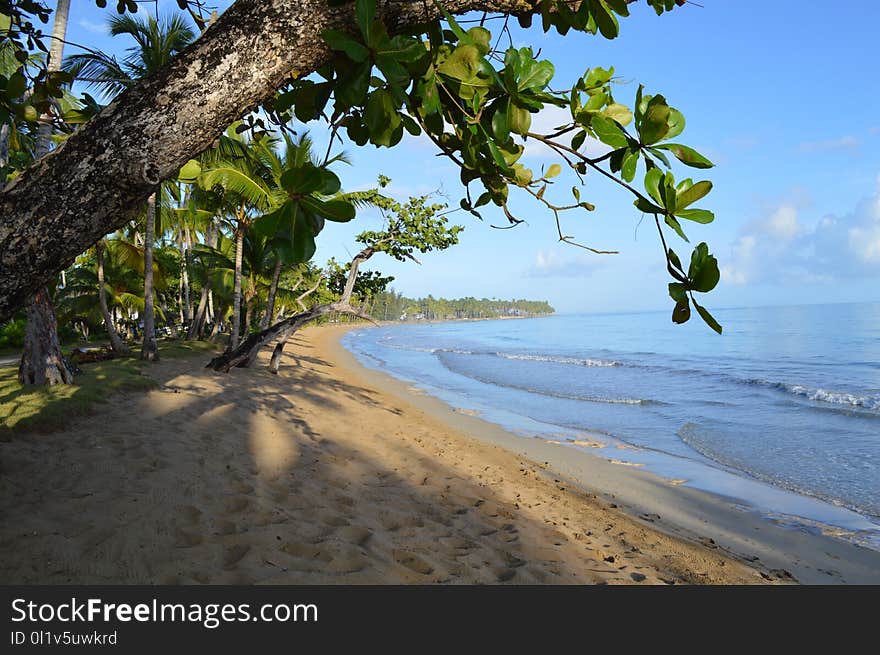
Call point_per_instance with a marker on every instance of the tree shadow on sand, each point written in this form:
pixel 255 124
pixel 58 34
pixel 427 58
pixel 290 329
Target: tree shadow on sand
pixel 255 478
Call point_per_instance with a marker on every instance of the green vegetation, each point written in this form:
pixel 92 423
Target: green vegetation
pixel 390 306
pixel 225 243
pixel 47 408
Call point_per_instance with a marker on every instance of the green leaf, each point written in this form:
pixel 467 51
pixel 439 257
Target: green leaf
pixel 535 75
pixel 675 225
pixel 519 119
pixel 703 271
pixel 677 291
pixel 618 112
pixel 302 179
pixel 687 155
pixel 708 318
pixel 303 236
pixel 676 123
pixel 351 89
pixel 653 179
pixel 462 64
pixel 330 183
pixel 647 207
pixel 339 211
pixel 606 21
pixel 608 131
pixel 630 161
pixel 342 42
pixel 16 85
pixel 481 38
pixel 553 171
pixel 703 216
pixel 692 193
pixel 654 124
pixel 500 127
pixel 365 12
pixel 682 311
pixel 190 171
pixel 270 224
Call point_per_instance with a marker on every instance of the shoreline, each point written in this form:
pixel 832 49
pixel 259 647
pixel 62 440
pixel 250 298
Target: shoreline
pixel 699 515
pixel 330 473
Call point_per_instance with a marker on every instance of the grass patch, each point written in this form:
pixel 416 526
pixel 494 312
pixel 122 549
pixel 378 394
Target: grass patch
pixel 27 408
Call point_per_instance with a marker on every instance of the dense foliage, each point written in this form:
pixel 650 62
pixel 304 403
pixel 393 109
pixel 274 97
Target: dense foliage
pixel 236 231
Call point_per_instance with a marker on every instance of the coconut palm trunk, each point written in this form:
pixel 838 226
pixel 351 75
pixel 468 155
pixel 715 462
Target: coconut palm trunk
pixel 236 293
pixel 187 297
pixel 266 321
pixel 204 308
pixel 150 350
pixel 115 342
pixel 41 359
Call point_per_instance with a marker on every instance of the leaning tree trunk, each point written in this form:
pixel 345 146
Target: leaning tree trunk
pixel 94 183
pixel 41 360
pixel 150 350
pixel 236 292
pixel 41 345
pixel 245 354
pixel 273 289
pixel 115 342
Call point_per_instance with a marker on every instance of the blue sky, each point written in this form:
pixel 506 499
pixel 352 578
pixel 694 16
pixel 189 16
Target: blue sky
pixel 781 95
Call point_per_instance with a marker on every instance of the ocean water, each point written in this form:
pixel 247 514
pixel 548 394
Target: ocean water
pixel 782 411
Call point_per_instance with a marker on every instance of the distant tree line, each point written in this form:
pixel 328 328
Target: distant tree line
pixel 391 306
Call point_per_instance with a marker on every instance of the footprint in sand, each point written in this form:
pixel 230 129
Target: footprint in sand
pixel 190 514
pixel 237 504
pixel 306 551
pixel 412 561
pixel 354 534
pixel 185 539
pixel 233 555
pixel 334 520
pixel 223 527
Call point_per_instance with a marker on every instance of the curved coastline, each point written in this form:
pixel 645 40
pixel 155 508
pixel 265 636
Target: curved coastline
pixel 812 551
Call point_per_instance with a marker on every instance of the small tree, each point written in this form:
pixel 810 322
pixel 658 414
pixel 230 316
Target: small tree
pixel 410 227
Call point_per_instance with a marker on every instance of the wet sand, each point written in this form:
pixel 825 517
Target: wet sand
pixel 330 473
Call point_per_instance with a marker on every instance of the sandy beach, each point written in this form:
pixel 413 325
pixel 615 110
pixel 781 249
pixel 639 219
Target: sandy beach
pixel 330 473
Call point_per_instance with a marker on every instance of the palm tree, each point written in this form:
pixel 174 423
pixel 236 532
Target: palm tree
pixel 249 189
pixel 116 343
pixel 41 359
pixel 156 43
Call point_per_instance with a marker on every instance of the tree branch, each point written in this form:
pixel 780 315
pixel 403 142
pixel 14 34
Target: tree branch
pixel 98 179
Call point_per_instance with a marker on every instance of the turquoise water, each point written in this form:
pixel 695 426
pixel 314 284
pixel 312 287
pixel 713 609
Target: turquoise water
pixel 783 410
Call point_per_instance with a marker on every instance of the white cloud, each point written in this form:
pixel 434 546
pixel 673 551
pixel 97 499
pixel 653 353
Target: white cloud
pixel 549 263
pixel 826 145
pixel 546 122
pixel 93 27
pixel 781 248
pixel 783 223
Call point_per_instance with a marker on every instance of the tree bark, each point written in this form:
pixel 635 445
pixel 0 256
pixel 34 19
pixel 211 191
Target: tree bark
pixel 115 342
pixel 198 322
pixel 150 350
pixel 94 183
pixel 275 361
pixel 42 326
pixel 273 289
pixel 236 291
pixel 41 359
pixel 246 353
